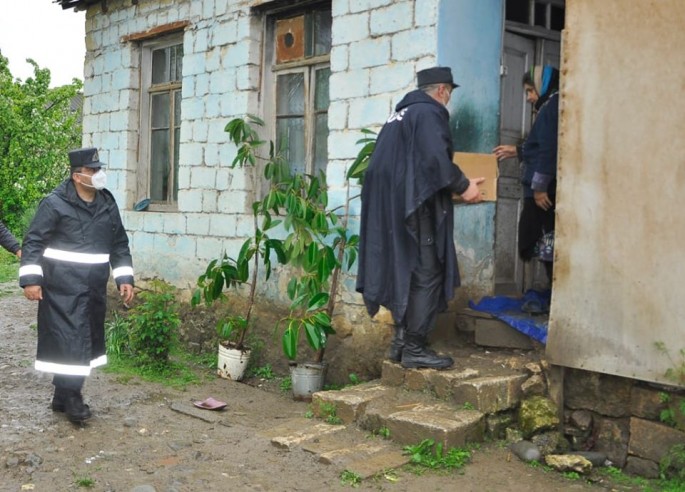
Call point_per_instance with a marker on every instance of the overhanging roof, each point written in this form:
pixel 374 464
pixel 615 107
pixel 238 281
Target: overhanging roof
pixel 84 4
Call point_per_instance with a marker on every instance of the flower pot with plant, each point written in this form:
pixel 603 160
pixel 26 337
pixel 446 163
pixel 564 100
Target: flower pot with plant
pixel 225 272
pixel 317 244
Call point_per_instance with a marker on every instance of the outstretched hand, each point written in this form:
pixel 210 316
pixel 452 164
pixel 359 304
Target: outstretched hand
pixel 472 193
pixel 504 152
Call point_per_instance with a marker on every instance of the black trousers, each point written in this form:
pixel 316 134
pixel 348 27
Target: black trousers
pixel 424 293
pixel 62 381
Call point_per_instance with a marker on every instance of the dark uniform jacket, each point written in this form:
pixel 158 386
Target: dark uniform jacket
pixel 7 240
pixel 411 176
pixel 68 250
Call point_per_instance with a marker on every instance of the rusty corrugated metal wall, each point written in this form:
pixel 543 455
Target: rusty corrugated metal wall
pixel 620 270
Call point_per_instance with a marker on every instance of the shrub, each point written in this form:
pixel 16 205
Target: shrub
pixel 154 323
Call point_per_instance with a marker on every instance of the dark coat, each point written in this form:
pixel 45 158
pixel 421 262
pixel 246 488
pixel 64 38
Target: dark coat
pixel 540 150
pixel 411 167
pixel 68 250
pixel 7 240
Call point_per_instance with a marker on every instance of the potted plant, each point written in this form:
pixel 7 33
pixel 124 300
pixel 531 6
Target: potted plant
pixel 316 247
pixel 225 272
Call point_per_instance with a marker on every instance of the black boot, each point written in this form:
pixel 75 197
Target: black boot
pixel 415 355
pixel 58 399
pixel 396 344
pixel 76 410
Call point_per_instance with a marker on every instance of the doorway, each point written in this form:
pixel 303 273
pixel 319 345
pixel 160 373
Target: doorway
pixel 533 42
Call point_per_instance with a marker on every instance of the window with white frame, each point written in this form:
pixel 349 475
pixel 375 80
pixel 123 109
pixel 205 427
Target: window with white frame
pixel 299 55
pixel 161 70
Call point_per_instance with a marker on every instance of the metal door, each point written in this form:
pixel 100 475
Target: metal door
pixel 512 276
pixel 517 56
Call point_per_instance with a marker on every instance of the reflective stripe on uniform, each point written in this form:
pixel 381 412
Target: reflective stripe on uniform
pixel 67 369
pixel 122 271
pixel 70 369
pixel 30 270
pixel 58 254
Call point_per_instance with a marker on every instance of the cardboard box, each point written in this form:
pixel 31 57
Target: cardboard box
pixel 480 166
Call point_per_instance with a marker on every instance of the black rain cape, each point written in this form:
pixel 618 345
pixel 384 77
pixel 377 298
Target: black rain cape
pixel 411 165
pixel 68 250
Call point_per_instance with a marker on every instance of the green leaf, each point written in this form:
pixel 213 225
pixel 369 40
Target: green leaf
pixel 314 336
pixel 290 336
pixel 292 288
pixel 318 301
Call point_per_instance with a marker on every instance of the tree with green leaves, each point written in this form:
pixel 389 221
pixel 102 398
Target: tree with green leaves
pixel 38 127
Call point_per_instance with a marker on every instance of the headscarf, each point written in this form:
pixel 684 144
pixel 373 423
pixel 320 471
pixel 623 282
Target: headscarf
pixel 546 81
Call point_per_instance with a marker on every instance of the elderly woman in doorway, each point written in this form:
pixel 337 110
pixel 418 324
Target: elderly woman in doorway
pixel 539 156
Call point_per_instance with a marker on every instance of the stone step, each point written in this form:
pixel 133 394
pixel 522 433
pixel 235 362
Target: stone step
pixel 344 447
pixel 411 417
pixel 491 332
pixel 294 432
pixel 466 384
pixel 348 403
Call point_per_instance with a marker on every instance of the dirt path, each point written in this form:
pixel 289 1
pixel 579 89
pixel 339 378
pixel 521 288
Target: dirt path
pixel 136 441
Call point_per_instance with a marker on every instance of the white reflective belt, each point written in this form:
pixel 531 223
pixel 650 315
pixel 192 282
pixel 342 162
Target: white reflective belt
pixel 122 271
pixel 68 369
pixel 100 361
pixel 58 254
pixel 30 270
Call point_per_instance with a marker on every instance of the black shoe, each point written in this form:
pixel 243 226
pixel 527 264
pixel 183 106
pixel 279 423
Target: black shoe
pixel 76 410
pixel 415 355
pixel 397 344
pixel 58 398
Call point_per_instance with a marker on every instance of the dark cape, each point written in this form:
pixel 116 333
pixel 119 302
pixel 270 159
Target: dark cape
pixel 410 167
pixel 68 250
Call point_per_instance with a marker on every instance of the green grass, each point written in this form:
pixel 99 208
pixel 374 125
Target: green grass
pixel 263 372
pixel 85 482
pixel 427 455
pixel 350 478
pixel 182 370
pixel 9 267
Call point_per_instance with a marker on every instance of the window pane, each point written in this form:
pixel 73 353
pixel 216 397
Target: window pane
pixel 176 62
pixel 160 110
pixel 320 142
pixel 321 96
pixel 159 165
pixel 557 18
pixel 322 32
pixel 290 94
pixel 540 14
pixel 290 140
pixel 160 66
pixel 517 11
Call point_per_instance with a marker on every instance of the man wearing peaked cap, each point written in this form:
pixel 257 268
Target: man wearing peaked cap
pixel 435 75
pixel 407 257
pixel 87 157
pixel 74 238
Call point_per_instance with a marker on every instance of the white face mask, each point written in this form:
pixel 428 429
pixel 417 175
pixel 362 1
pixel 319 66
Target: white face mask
pixel 98 180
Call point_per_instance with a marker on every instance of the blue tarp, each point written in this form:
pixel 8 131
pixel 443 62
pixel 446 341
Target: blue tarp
pixel 509 310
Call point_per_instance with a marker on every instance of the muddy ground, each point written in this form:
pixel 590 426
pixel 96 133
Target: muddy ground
pixel 136 441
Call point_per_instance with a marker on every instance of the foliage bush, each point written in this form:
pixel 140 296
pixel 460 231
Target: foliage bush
pixel 154 322
pixel 317 244
pixel 37 129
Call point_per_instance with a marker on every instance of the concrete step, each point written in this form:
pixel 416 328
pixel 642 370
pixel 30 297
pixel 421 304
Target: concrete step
pixel 344 447
pixel 489 331
pixel 410 417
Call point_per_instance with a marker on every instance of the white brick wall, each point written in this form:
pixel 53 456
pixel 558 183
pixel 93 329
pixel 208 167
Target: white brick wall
pixel 377 47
